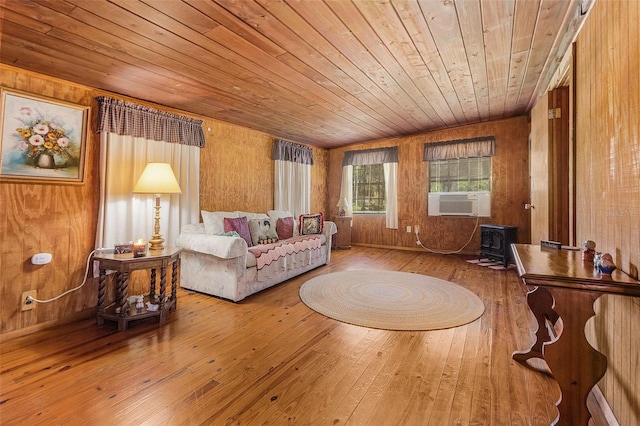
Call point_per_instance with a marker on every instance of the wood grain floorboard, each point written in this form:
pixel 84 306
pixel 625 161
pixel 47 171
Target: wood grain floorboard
pixel 271 360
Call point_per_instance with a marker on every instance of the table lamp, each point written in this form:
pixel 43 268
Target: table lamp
pixel 342 204
pixel 157 178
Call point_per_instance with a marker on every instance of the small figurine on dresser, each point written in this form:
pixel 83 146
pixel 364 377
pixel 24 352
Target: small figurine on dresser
pixel 139 303
pixel 588 250
pixel 606 265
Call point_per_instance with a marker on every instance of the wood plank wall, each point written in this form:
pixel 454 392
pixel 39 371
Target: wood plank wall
pixel 53 218
pixel 236 170
pixel 607 91
pixel 510 190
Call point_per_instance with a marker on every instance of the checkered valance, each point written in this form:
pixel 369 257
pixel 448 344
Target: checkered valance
pixel 126 118
pixel 289 151
pixel 370 156
pixel 460 148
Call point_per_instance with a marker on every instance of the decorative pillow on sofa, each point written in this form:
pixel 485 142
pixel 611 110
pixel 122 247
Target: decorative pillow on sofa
pixel 214 221
pixel 278 214
pixel 262 232
pixel 284 227
pixel 240 225
pixel 311 223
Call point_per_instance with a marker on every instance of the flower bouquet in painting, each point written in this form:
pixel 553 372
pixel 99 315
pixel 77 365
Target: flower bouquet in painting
pixel 44 141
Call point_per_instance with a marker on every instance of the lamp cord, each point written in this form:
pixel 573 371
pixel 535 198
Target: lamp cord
pixel 84 281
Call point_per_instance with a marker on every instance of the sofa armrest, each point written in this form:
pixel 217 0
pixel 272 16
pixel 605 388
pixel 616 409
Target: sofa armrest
pixel 220 246
pixel 329 229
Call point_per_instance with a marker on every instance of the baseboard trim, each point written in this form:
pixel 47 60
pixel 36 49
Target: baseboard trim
pixel 77 316
pixel 419 249
pixel 601 412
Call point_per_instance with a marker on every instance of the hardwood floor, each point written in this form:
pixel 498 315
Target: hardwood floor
pixel 271 360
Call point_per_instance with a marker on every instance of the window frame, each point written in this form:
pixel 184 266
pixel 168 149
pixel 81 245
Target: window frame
pixel 451 184
pixel 381 190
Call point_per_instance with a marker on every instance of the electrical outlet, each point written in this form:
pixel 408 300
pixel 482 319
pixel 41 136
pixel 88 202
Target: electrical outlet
pixel 417 228
pixel 28 305
pixel 409 228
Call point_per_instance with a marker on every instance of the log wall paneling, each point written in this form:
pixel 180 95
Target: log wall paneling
pixel 607 90
pixel 510 190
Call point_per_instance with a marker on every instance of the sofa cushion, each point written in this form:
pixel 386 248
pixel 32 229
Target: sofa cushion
pixel 214 221
pixel 262 231
pixel 240 225
pixel 311 223
pixel 284 227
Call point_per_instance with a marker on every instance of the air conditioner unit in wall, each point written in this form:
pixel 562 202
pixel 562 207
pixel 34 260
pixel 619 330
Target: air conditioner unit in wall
pixel 460 204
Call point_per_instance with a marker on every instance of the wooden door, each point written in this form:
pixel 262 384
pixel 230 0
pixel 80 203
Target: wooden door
pixel 559 165
pixel 549 167
pixel 539 170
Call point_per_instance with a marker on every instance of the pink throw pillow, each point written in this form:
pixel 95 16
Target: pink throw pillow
pixel 284 227
pixel 240 225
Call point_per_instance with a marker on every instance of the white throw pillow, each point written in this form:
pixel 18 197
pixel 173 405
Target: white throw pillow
pixel 214 221
pixel 251 216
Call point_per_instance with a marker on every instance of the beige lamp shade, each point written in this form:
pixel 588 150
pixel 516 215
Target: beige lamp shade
pixel 342 203
pixel 157 178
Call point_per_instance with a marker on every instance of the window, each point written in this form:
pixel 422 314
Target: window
pixel 368 189
pixel 460 175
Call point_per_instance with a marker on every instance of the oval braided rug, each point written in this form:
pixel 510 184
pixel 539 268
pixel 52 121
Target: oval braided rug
pixel 391 300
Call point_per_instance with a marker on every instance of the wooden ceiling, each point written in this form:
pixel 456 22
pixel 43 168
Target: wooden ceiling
pixel 322 72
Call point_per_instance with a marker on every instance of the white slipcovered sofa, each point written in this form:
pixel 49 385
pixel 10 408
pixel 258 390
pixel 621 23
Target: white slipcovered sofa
pixel 228 266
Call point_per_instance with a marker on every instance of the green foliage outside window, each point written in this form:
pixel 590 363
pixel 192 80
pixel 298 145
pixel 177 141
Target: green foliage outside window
pixel 368 189
pixel 460 175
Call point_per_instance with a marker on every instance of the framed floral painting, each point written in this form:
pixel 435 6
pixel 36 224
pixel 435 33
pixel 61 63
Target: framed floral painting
pixel 42 140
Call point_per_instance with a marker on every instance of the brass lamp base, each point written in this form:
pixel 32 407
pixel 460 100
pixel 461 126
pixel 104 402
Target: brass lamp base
pixel 155 243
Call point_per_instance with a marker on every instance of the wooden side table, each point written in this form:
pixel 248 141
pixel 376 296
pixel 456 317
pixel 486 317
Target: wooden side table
pixel 564 289
pixel 123 264
pixel 342 239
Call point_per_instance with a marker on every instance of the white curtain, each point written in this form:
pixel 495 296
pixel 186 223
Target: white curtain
pixel 391 194
pixel 124 216
pixel 346 189
pixel 292 187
